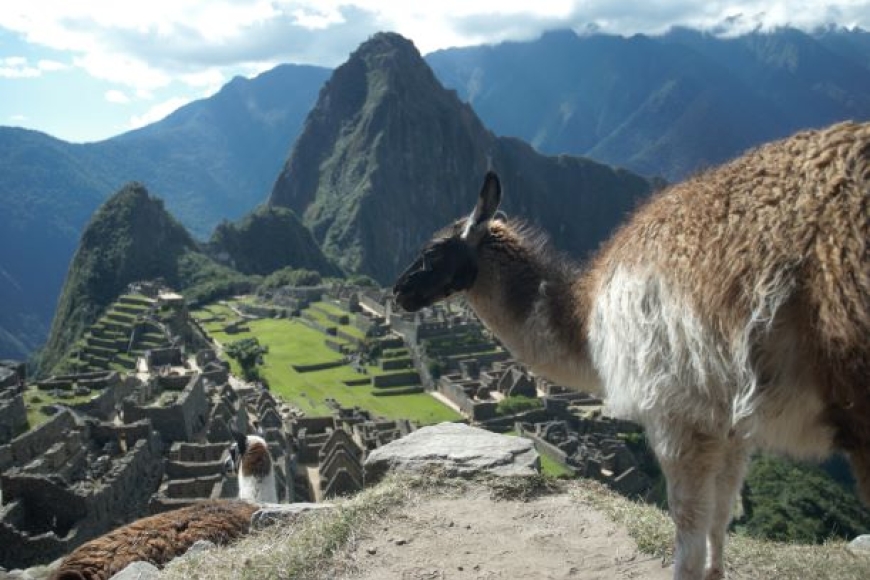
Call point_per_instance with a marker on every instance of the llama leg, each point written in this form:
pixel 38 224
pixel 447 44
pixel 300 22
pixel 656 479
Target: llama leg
pixel 691 477
pixel 732 471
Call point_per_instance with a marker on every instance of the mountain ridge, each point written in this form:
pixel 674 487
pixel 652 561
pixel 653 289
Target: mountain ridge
pixel 660 105
pixel 212 160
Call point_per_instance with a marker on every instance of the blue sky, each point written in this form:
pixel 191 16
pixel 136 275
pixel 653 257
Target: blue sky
pixel 86 70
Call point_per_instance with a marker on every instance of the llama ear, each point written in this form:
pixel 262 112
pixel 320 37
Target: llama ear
pixel 241 440
pixel 487 203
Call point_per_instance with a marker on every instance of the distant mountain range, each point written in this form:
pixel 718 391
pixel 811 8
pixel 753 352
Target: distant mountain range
pixel 211 160
pixel 664 106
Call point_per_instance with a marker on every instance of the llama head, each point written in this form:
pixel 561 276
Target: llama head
pixel 448 263
pixel 249 456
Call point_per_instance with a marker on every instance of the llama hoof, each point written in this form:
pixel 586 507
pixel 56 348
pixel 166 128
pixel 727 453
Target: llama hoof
pixel 714 574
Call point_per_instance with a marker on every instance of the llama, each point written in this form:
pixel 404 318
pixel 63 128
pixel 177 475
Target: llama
pixel 730 313
pixel 250 458
pixel 157 539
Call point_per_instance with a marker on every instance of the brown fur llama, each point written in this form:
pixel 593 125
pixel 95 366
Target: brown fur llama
pixel 160 538
pixel 157 539
pixel 730 313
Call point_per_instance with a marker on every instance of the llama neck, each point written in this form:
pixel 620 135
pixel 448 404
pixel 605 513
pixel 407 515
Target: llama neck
pixel 260 489
pixel 536 306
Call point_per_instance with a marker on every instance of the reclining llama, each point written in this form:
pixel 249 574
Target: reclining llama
pixel 160 538
pixel 730 313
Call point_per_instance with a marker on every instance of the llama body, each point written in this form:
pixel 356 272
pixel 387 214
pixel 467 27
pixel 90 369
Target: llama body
pixel 157 539
pixel 731 312
pixel 250 458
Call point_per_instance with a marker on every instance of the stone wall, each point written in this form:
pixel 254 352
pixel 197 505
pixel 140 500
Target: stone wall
pixel 13 416
pixel 396 379
pixel 176 422
pixel 43 518
pixel 104 404
pixel 33 443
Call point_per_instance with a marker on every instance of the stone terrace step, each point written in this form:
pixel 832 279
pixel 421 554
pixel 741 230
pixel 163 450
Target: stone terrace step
pixel 129 309
pixel 100 351
pixel 115 344
pixel 142 301
pixel 120 317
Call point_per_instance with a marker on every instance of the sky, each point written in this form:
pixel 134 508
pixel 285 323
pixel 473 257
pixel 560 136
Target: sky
pixel 87 70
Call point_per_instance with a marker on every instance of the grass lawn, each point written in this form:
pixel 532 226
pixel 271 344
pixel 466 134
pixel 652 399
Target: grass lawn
pixel 34 399
pixel 331 308
pixel 550 466
pixel 291 342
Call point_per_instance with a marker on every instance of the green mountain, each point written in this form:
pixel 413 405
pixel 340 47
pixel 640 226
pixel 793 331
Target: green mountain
pixel 130 238
pixel 212 160
pixel 388 155
pixel 269 239
pixel 46 194
pixel 664 105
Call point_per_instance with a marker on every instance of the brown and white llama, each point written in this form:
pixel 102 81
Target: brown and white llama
pixel 250 459
pixel 157 539
pixel 160 538
pixel 730 313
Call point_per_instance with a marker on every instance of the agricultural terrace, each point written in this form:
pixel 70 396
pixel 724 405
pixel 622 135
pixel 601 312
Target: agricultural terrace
pixel 291 342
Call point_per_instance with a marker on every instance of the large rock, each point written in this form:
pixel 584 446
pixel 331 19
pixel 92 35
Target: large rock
pixel 138 571
pixel 860 545
pixel 456 448
pixel 284 513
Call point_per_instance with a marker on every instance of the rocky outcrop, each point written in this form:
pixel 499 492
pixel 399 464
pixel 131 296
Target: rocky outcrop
pixel 457 449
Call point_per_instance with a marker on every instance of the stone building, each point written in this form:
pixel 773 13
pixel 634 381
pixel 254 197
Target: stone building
pixel 340 465
pixel 70 480
pixel 13 413
pixel 593 445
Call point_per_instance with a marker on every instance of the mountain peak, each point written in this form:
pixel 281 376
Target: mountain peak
pixel 386 44
pixel 388 155
pixel 131 237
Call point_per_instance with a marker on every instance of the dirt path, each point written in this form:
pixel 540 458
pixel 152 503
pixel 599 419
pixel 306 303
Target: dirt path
pixel 474 537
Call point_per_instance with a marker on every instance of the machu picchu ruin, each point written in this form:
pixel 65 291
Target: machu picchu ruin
pixel 141 418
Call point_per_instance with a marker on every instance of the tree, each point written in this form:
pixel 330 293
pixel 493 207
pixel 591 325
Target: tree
pixel 249 353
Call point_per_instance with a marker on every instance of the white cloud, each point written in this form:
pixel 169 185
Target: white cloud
pixel 144 46
pixel 50 65
pixel 116 96
pixel 211 77
pixel 18 67
pixel 157 112
pixel 18 118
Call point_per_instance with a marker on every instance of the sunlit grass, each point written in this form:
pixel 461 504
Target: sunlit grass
pixel 291 342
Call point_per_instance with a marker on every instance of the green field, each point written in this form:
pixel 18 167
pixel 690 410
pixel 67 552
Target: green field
pixel 34 399
pixel 291 342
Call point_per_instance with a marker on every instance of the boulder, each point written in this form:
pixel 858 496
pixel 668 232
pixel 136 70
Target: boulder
pixel 458 449
pixel 283 513
pixel 138 571
pixel 860 545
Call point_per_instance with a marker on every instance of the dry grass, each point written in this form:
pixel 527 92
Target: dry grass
pixel 306 549
pixel 745 558
pixel 321 543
